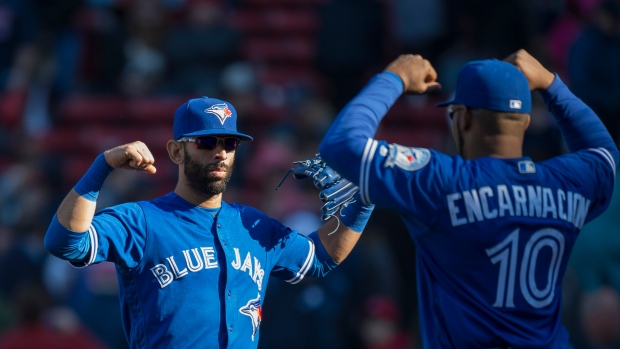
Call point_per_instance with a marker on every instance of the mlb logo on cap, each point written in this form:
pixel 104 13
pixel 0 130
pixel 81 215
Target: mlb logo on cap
pixel 206 117
pixel 494 85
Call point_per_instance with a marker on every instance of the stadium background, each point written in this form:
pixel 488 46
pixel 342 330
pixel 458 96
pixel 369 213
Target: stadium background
pixel 80 76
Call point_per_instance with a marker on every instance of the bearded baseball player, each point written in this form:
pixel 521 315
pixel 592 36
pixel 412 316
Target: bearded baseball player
pixel 193 269
pixel 493 229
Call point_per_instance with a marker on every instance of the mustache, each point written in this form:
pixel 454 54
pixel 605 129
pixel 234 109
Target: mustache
pixel 217 166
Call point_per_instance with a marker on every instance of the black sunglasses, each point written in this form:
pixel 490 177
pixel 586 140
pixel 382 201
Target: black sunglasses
pixel 452 108
pixel 211 142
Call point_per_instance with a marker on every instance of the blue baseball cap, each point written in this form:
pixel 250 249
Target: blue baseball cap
pixel 206 117
pixel 492 84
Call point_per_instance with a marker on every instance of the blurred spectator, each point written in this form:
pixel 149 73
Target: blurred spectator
pixel 562 33
pixel 310 120
pixel 25 198
pixel 543 139
pixel 504 26
pixel 18 56
pixel 418 27
pixel 92 293
pixel 349 45
pixel 381 326
pixel 595 267
pixel 200 47
pixel 40 326
pixel 594 71
pixel 600 316
pixel 239 86
pixel 325 313
pixel 145 61
pixel 466 46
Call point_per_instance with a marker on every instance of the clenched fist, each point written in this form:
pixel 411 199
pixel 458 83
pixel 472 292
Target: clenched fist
pixel 131 156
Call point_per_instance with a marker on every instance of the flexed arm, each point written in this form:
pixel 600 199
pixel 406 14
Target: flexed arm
pixel 344 144
pixel 77 210
pixel 580 126
pixel 343 212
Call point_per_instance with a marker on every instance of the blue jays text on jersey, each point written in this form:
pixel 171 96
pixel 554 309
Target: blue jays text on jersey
pixel 191 278
pixel 493 236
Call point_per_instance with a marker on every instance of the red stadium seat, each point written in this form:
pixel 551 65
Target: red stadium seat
pixel 12 105
pixel 283 76
pixel 89 108
pixel 279 50
pixel 284 2
pixel 276 21
pixel 154 109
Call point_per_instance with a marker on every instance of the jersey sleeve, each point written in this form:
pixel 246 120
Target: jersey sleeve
pixel 405 179
pixel 297 256
pixel 117 234
pixel 596 184
pixel 346 141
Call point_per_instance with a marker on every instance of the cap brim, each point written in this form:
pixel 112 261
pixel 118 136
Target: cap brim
pixel 217 132
pixel 445 104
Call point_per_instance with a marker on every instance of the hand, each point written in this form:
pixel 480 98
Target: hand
pixel 338 196
pixel 417 74
pixel 315 168
pixel 538 77
pixel 131 156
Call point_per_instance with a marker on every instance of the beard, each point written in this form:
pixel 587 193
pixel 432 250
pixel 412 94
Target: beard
pixel 200 179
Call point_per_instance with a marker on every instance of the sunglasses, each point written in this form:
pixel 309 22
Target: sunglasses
pixel 211 142
pixel 452 108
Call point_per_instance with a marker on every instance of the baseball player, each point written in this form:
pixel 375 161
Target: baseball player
pixel 493 229
pixel 193 269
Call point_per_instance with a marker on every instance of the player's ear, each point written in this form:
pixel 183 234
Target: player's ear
pixel 467 119
pixel 175 151
pixel 527 122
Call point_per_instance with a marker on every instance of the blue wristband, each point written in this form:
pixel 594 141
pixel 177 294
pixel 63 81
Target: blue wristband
pixel 356 215
pixel 90 184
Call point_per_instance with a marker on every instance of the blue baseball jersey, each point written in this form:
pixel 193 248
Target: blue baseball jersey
pixel 493 236
pixel 189 278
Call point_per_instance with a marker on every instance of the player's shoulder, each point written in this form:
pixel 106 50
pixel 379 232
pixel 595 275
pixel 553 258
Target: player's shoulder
pixel 587 162
pixel 410 158
pixel 124 208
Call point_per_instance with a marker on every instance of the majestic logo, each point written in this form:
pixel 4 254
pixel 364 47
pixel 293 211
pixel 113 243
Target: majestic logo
pixel 220 110
pixel 254 311
pixel 409 159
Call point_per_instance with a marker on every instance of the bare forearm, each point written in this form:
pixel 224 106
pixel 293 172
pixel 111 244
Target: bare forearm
pixel 75 212
pixel 338 243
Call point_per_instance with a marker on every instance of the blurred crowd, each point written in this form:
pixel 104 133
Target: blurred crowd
pixel 80 76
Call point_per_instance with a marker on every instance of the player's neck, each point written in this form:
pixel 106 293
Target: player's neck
pixel 189 195
pixel 497 146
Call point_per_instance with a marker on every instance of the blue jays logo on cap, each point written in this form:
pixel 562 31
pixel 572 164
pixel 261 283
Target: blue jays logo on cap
pixel 206 117
pixel 220 110
pixel 492 84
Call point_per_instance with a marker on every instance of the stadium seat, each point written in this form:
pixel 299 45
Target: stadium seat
pixel 154 109
pixel 278 50
pixel 276 21
pixel 78 109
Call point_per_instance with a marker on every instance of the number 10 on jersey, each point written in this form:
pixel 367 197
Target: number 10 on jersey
pixel 506 254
